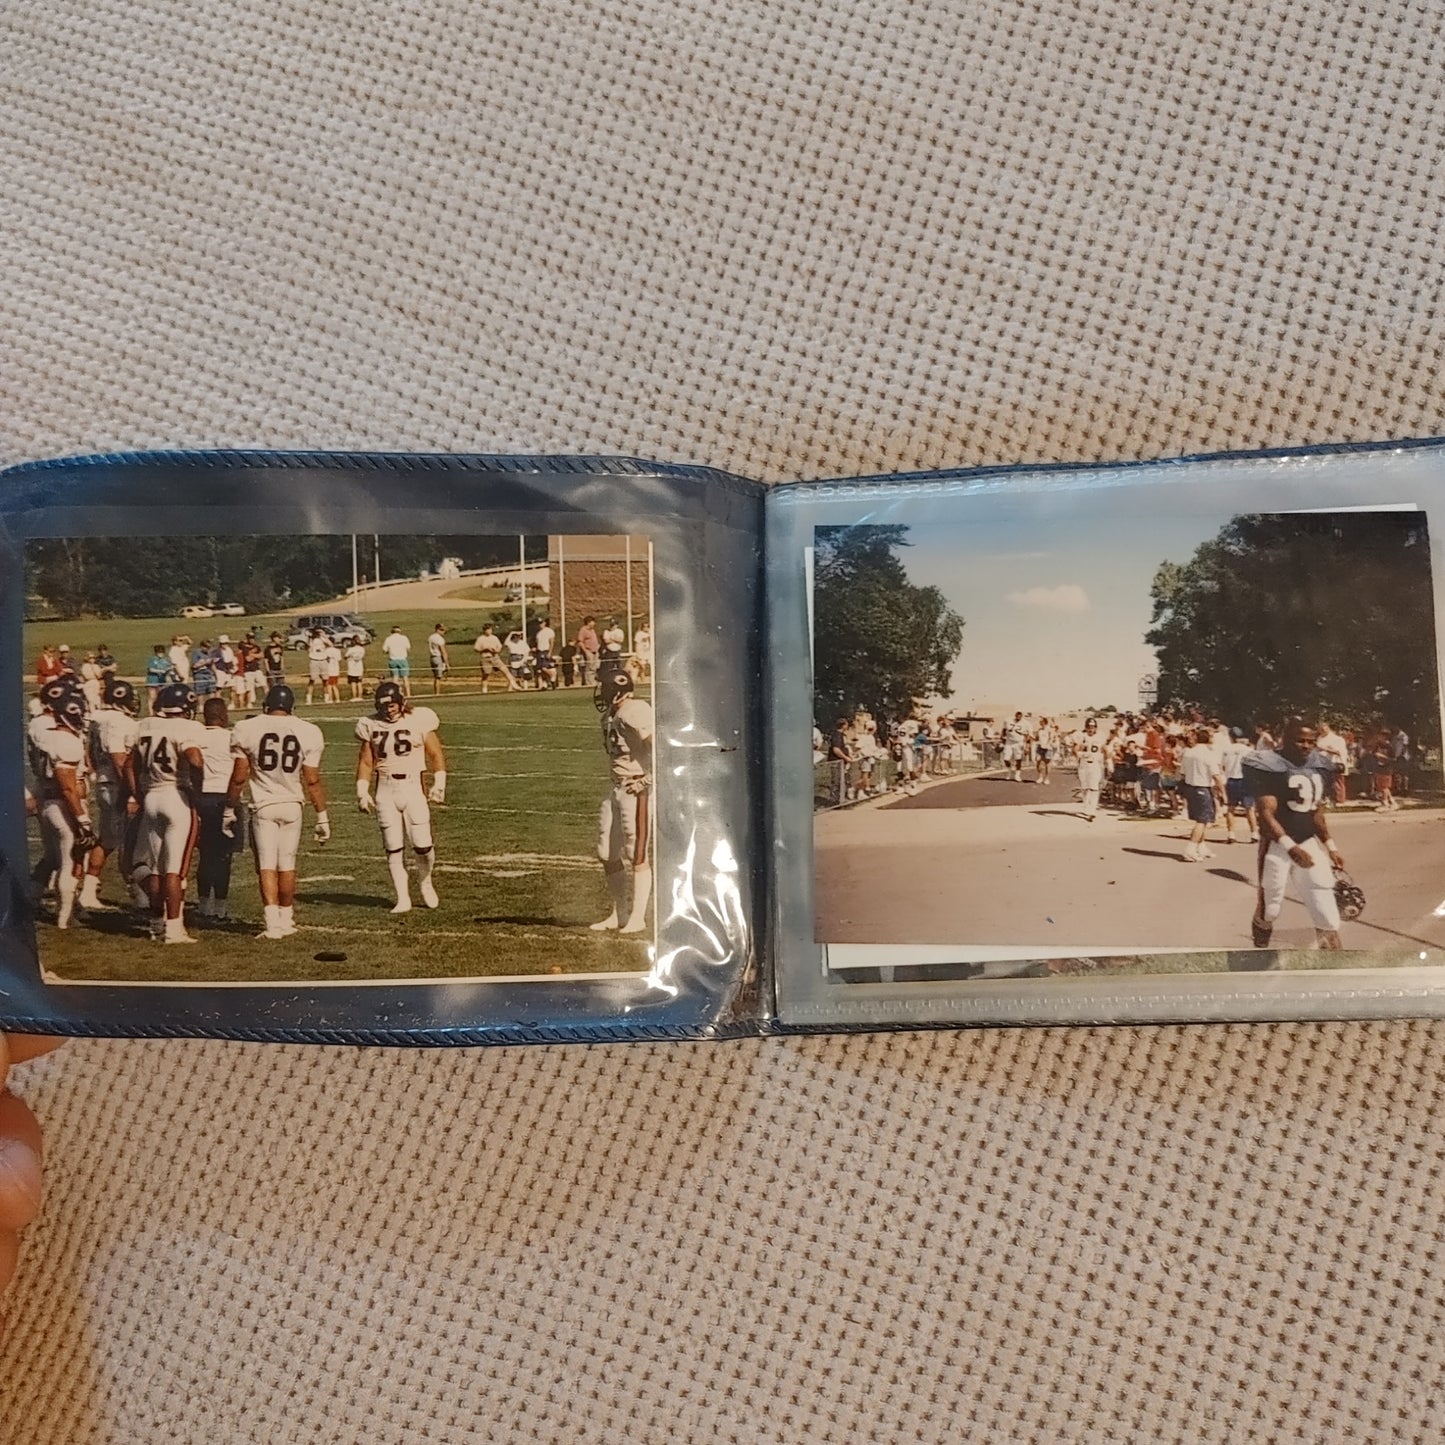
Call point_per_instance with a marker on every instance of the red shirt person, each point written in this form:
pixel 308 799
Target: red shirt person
pixel 48 665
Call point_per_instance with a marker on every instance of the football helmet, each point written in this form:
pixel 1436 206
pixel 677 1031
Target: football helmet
pixel 279 698
pixel 58 689
pixel 614 682
pixel 1349 896
pixel 121 694
pixel 70 712
pixel 175 699
pixel 390 700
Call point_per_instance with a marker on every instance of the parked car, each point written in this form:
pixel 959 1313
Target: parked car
pixel 231 609
pixel 334 624
pixel 195 611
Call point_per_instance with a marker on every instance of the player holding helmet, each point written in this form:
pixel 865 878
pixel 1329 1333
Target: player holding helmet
pixel 1289 787
pixel 399 744
pixel 624 823
pixel 57 758
pixel 169 765
pixel 280 757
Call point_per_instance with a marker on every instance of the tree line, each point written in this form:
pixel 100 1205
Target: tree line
pixel 157 576
pixel 1323 615
pixel 880 642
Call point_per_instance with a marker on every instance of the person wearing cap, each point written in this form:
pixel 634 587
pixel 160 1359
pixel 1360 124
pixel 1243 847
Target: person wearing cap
pixel 67 659
pixel 614 639
pixel 203 668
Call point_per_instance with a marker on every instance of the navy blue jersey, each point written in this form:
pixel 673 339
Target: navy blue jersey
pixel 1300 788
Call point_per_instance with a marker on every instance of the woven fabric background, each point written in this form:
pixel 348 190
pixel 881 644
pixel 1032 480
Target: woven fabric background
pixel 791 239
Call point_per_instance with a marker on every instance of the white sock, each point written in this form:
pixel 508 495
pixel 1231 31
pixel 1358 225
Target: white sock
pixel 287 917
pixel 641 892
pixel 175 928
pixel 425 862
pixel 396 865
pixel 273 918
pixel 66 884
pixel 90 891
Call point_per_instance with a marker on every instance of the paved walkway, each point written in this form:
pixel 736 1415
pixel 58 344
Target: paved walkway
pixel 959 863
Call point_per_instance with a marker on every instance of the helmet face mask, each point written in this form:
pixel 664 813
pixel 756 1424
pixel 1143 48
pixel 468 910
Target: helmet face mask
pixel 175 699
pixel 390 701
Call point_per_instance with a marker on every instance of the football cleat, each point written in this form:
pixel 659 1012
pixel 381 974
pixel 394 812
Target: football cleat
pixel 1349 896
pixel 1260 931
pixel 175 699
pixel 390 700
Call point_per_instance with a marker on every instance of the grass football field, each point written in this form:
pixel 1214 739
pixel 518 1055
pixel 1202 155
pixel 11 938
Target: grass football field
pixel 516 862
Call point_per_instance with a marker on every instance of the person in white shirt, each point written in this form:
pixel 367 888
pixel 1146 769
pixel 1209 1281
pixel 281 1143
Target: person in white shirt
pixel 56 740
pixel 1337 750
pixel 333 670
pixel 1091 749
pixel 279 757
pixel 1015 746
pixel 399 745
pixel 180 656
pixel 169 765
pixel 356 667
pixel 397 647
pixel 436 647
pixel 111 736
pixel 488 648
pixel 519 658
pixel 614 639
pixel 318 649
pixel 1236 796
pixel 1202 781
pixel 546 661
pixel 642 651
pixel 91 681
pixel 1046 745
pixel 215 847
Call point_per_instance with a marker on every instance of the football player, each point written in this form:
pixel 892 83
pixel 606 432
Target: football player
pixel 1090 749
pixel 624 823
pixel 169 767
pixel 1015 746
pixel 1289 788
pixel 112 735
pixel 399 745
pixel 57 758
pixel 280 757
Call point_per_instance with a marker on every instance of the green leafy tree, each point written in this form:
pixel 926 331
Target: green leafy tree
pixel 1330 615
pixel 879 641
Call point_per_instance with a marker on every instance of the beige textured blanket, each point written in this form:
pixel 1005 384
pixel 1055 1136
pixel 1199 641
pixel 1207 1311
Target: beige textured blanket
pixel 790 239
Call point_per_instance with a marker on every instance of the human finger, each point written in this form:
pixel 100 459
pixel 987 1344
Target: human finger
pixel 20 1153
pixel 21 1047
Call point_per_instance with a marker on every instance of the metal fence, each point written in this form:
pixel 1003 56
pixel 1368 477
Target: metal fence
pixel 836 784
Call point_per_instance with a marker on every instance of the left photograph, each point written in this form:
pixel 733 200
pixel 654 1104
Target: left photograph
pixel 339 759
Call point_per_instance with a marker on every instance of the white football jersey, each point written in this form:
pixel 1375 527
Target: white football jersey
pixel 51 747
pixel 397 747
pixel 112 734
pixel 1090 747
pixel 276 747
pixel 216 755
pixel 627 736
pixel 159 745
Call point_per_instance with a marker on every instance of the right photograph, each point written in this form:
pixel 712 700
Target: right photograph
pixel 1084 733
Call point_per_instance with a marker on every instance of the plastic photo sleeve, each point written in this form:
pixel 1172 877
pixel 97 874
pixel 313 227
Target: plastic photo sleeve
pixel 378 748
pixel 1137 743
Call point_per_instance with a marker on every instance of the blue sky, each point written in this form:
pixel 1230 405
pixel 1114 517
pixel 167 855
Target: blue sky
pixel 1054 594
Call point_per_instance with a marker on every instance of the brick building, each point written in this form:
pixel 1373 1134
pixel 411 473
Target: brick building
pixel 604 576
